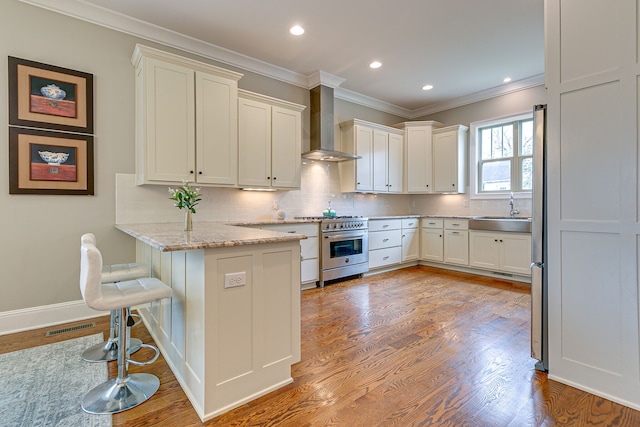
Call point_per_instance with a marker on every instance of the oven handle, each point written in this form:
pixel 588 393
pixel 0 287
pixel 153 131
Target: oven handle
pixel 344 236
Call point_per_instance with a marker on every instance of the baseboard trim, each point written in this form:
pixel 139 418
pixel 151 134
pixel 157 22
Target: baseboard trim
pixel 45 316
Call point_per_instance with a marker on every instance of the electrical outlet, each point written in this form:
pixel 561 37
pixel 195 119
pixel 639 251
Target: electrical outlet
pixel 232 280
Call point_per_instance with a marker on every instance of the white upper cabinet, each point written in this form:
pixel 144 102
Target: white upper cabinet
pixel 186 120
pixel 449 159
pixel 269 141
pixel 380 168
pixel 418 155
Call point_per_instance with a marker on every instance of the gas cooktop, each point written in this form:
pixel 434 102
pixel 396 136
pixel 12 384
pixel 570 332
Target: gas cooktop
pixel 330 217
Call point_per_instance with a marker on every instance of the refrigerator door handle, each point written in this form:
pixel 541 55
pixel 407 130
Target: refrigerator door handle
pixel 536 311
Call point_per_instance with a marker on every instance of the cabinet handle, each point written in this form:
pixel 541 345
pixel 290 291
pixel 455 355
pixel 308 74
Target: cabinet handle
pixel 410 224
pixel 453 185
pixel 200 173
pixel 495 240
pixel 386 258
pixel 385 240
pixel 268 177
pixel 191 172
pixel 440 235
pixel 404 235
pixel 455 225
pixel 427 185
pixel 385 225
pixel 274 178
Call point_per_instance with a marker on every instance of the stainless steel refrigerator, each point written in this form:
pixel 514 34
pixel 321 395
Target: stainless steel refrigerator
pixel 539 327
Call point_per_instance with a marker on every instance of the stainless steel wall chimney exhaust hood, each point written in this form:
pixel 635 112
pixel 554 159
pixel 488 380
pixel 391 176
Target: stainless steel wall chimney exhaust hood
pixel 322 134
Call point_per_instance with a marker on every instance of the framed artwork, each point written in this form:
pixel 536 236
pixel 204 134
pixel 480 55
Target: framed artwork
pixel 51 97
pixel 48 162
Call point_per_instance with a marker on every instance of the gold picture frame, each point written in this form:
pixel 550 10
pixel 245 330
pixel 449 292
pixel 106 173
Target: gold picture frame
pixel 47 96
pixel 47 162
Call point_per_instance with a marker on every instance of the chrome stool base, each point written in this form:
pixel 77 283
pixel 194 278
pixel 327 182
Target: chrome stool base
pixel 117 395
pixel 108 351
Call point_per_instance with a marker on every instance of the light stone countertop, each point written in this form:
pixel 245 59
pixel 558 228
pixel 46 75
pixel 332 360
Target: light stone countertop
pixel 168 237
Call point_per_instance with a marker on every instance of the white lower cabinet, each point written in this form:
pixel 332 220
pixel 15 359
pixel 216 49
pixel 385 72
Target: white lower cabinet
pixel 500 252
pixel 456 241
pixel 385 242
pixel 410 239
pixel 309 250
pixel 432 240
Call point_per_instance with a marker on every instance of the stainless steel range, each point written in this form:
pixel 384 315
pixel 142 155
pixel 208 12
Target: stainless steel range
pixel 344 247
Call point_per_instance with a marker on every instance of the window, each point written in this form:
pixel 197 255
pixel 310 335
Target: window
pixel 502 156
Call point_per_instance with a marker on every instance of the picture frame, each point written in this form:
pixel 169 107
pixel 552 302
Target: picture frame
pixel 49 162
pixel 47 96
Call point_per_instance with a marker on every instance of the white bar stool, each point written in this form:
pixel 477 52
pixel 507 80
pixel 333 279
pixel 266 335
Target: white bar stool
pixel 108 350
pixel 126 390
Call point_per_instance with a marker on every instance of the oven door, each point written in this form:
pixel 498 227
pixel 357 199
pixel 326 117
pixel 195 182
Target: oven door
pixel 342 248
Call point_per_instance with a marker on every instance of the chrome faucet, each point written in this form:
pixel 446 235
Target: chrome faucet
pixel 513 211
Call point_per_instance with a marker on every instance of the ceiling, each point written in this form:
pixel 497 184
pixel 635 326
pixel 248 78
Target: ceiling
pixel 464 48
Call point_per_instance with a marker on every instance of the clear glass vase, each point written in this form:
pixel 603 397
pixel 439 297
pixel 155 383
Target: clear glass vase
pixel 188 222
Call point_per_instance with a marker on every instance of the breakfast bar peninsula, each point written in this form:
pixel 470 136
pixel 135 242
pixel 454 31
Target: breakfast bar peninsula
pixel 231 330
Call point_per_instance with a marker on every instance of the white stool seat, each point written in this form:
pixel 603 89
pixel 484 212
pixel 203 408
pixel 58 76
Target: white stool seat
pixel 108 350
pixel 125 391
pixel 120 272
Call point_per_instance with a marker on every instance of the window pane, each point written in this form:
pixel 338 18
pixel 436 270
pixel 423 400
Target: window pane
pixel 486 143
pixel 526 139
pixel 526 171
pixel 507 141
pixel 496 143
pixel 496 176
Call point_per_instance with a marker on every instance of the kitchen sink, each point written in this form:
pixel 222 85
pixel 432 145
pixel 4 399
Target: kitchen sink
pixel 498 223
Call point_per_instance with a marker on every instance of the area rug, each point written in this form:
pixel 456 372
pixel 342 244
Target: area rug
pixel 43 386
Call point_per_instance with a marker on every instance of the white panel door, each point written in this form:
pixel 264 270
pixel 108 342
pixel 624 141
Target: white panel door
pixel 254 143
pixel 380 161
pixel 394 163
pixel 170 121
pixel 364 166
pixel 286 145
pixel 216 130
pixel 592 180
pixel 418 160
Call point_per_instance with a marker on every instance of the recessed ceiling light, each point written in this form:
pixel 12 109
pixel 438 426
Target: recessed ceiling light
pixel 375 64
pixel 506 80
pixel 427 87
pixel 296 30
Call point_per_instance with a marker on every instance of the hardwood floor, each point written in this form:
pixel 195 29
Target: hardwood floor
pixel 415 347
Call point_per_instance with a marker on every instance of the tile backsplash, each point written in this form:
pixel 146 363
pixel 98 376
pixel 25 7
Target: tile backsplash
pixel 320 184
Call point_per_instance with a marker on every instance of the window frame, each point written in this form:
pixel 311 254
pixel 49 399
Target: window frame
pixel 474 158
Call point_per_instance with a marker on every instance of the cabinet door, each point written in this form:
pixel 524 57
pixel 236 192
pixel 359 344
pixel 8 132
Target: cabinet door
pixel 456 247
pixel 286 142
pixel 216 130
pixel 168 105
pixel 380 148
pixel 394 163
pixel 419 160
pixel 364 166
pixel 432 245
pixel 410 244
pixel 254 143
pixel 445 161
pixel 484 251
pixel 516 253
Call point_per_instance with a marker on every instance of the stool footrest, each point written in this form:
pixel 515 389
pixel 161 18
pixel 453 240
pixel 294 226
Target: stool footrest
pixel 148 362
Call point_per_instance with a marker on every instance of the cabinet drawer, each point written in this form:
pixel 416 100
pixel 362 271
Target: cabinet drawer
pixel 456 224
pixel 311 229
pixel 385 239
pixel 432 223
pixel 385 224
pixel 410 223
pixel 384 257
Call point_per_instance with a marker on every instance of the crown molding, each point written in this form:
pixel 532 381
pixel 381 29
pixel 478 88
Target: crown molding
pixel 106 18
pixel 513 87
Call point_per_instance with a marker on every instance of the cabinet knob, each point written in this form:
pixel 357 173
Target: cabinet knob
pixel 191 172
pixel 427 185
pixel 268 177
pixel 495 240
pixel 200 173
pixel 275 178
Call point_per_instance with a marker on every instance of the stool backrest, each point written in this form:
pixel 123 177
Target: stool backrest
pixel 90 271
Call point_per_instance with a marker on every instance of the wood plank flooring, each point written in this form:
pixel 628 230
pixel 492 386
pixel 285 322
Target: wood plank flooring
pixel 415 347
